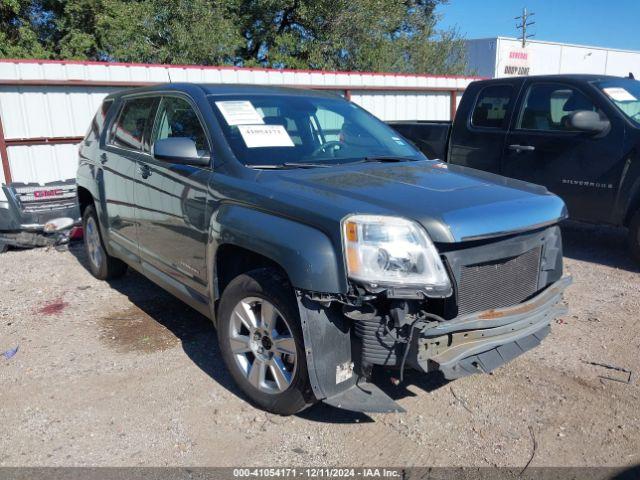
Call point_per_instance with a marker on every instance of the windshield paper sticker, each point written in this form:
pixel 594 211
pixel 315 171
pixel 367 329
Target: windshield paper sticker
pixel 239 112
pixel 619 94
pixel 265 136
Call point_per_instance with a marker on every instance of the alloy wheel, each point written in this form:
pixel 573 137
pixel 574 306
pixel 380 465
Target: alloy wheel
pixel 262 345
pixel 94 248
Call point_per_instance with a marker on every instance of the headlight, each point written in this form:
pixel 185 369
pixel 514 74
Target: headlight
pixel 392 251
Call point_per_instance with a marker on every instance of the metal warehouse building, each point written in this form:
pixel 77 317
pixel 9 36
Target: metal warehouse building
pixel 505 57
pixel 46 106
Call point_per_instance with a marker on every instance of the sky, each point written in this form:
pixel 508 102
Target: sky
pixel 612 23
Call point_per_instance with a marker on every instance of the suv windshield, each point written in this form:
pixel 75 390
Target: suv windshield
pixel 625 93
pixel 291 130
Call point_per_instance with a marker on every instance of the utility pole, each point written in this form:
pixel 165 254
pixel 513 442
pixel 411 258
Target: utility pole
pixel 523 26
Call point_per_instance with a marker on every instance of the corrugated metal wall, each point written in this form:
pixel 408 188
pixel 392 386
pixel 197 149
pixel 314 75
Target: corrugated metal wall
pixel 405 105
pixel 53 111
pixel 46 106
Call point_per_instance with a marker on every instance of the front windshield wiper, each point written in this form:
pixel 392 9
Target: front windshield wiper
pixel 306 165
pixel 289 165
pixel 384 158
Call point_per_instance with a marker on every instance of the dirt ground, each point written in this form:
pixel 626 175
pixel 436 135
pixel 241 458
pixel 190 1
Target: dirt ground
pixel 123 374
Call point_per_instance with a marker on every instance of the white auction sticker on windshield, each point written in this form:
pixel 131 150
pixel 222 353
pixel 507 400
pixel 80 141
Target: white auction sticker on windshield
pixel 619 94
pixel 239 112
pixel 265 136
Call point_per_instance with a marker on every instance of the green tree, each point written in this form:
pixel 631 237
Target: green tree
pixel 378 35
pixel 391 35
pixel 182 31
pixel 19 31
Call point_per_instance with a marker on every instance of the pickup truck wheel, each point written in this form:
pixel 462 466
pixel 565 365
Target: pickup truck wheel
pixel 102 265
pixel 634 236
pixel 261 341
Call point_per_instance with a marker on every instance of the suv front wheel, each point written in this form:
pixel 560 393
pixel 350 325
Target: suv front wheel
pixel 102 265
pixel 261 341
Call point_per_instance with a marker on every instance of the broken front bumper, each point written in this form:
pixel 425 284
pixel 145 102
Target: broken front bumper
pixel 482 341
pixel 25 210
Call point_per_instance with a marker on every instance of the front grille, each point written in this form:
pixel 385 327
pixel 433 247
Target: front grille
pixel 36 199
pixel 499 283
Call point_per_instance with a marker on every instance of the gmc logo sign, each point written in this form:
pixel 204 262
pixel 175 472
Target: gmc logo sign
pixel 39 194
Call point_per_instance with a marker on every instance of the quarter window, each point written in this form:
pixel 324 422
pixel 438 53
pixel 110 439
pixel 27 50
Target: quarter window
pixel 128 130
pixel 176 118
pixel 549 106
pixel 492 107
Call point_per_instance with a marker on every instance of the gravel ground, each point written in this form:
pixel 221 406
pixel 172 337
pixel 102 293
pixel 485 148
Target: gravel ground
pixel 123 374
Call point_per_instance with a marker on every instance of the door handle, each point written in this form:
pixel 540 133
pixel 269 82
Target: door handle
pixel 144 171
pixel 522 148
pixel 103 158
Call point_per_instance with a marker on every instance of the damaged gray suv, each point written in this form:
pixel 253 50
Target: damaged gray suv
pixel 320 243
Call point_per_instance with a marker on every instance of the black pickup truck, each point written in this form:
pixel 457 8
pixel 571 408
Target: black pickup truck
pixel 578 135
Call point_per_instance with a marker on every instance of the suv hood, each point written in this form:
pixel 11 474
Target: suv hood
pixel 453 203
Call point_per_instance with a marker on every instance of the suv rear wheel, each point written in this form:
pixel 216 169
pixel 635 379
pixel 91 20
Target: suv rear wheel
pixel 102 265
pixel 261 341
pixel 634 236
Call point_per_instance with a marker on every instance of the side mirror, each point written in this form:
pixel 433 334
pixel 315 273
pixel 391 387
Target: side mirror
pixel 180 150
pixel 588 121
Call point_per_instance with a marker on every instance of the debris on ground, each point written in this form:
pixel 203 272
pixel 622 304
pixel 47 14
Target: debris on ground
pixel 612 367
pixel 10 353
pixel 533 450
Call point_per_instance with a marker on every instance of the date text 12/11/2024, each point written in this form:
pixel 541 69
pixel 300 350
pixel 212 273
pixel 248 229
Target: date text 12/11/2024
pixel 317 472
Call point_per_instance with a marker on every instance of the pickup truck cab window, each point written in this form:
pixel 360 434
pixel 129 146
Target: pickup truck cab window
pixel 492 107
pixel 548 106
pixel 305 130
pixel 128 130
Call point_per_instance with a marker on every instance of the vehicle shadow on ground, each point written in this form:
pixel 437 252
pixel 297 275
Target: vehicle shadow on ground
pixel 193 330
pixel 598 244
pixel 138 330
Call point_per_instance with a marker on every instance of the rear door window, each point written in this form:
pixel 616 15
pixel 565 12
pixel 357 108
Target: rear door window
pixel 128 130
pixel 492 107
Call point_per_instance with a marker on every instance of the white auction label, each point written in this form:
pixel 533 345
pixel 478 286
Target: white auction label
pixel 619 94
pixel 239 112
pixel 265 136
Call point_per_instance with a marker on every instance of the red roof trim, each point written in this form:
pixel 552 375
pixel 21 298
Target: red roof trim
pixel 230 67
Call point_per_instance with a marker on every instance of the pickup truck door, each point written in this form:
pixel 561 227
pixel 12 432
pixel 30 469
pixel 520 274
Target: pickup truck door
pixel 171 203
pixel 541 147
pixel 480 127
pixel 121 150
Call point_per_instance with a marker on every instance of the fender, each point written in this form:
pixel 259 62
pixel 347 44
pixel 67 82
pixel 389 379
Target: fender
pixel 306 254
pixel 310 261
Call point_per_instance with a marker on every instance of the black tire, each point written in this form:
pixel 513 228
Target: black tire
pixel 265 284
pixel 102 265
pixel 3 247
pixel 634 236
